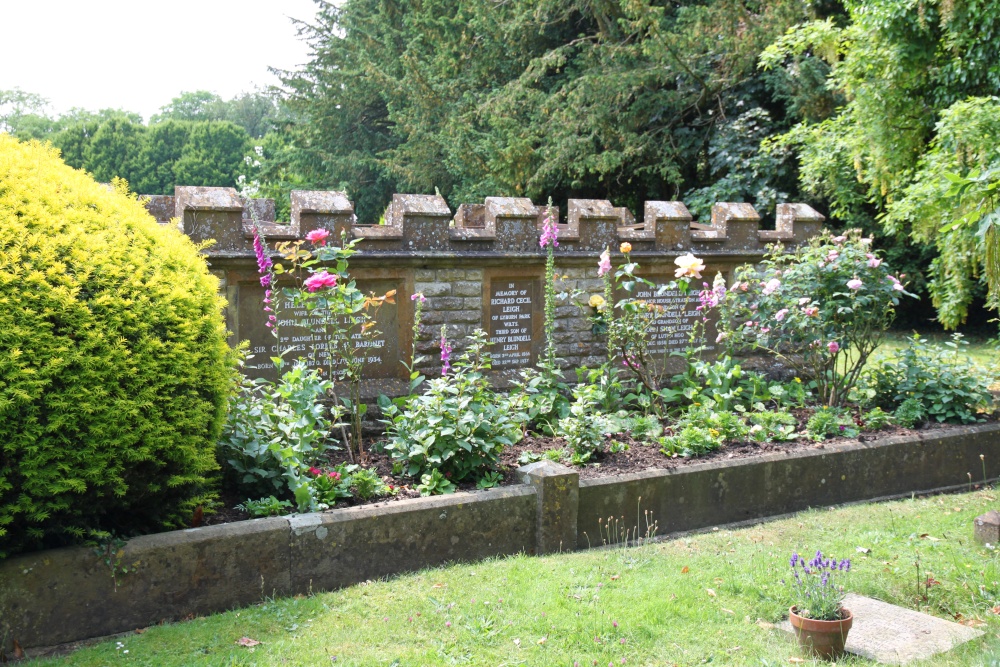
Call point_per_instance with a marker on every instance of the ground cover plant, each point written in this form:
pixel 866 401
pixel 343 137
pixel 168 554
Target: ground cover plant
pixel 709 598
pixel 114 367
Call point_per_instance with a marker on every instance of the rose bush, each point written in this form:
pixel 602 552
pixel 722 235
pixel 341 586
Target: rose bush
pixel 822 308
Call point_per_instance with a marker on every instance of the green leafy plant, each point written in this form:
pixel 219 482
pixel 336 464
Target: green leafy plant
pixel 585 428
pixel 435 483
pixel 771 426
pixel 876 419
pixel 543 398
pixel 275 431
pixel 726 425
pixel 643 427
pixel 830 423
pixel 263 507
pixel 458 426
pixel 114 370
pixel 489 480
pixel 366 484
pixel 691 440
pixel 910 413
pixel 949 386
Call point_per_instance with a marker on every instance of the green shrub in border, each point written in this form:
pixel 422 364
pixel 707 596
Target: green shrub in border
pixel 114 368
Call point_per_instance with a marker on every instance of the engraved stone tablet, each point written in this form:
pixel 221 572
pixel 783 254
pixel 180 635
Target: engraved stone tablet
pixel 514 314
pixel 311 341
pixel 673 329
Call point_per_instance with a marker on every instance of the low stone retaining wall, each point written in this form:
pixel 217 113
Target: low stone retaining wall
pixel 65 595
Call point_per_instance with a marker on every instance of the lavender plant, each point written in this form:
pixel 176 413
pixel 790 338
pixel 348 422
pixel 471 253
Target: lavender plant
pixel 816 593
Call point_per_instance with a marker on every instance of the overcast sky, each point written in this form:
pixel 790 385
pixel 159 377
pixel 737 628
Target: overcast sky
pixel 137 55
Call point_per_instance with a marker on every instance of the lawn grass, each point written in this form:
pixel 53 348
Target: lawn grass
pixel 979 348
pixel 705 598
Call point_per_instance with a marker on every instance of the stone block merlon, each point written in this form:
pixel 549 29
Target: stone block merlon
pixel 503 225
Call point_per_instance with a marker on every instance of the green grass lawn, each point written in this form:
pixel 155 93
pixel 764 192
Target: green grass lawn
pixel 978 348
pixel 705 598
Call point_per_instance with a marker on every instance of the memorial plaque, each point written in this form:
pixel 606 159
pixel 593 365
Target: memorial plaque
pixel 513 309
pixel 672 330
pixel 309 339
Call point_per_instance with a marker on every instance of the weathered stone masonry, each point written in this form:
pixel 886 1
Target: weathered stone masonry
pixel 480 267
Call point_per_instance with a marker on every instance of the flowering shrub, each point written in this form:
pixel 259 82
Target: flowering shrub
pixel 948 386
pixel 114 367
pixel 333 305
pixel 458 426
pixel 822 308
pixel 631 320
pixel 814 588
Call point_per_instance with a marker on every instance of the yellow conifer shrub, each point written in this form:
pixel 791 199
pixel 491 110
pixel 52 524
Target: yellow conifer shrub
pixel 114 368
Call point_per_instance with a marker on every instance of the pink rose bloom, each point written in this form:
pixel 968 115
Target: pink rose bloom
pixel 839 239
pixel 317 236
pixel 604 265
pixel 804 300
pixel 833 346
pixel 832 256
pixel 873 261
pixel 318 281
pixel 771 285
pixel 811 312
pixel 780 315
pixel 764 330
pixel 896 285
pixel 855 284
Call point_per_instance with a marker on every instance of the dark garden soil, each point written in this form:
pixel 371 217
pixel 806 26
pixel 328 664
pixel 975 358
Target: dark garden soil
pixel 638 456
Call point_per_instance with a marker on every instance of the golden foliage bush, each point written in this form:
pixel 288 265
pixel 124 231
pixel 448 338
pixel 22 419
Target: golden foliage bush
pixel 114 367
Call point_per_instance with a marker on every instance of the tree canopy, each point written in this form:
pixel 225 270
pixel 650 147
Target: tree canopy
pixel 918 79
pixel 586 98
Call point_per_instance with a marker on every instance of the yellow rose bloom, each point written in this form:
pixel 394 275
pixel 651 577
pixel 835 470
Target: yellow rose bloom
pixel 625 247
pixel 688 266
pixel 596 301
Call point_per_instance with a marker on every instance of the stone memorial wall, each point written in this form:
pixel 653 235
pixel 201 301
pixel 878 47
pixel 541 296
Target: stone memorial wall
pixel 479 267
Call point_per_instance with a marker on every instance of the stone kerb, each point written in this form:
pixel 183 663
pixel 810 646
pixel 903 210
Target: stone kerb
pixel 732 491
pixel 557 497
pixel 65 595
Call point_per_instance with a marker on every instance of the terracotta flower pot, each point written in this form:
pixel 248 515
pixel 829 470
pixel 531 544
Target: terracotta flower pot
pixel 824 639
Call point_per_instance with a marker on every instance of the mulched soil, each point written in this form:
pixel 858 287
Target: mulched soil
pixel 637 457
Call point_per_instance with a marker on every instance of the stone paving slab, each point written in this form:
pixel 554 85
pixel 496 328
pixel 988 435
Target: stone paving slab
pixel 896 636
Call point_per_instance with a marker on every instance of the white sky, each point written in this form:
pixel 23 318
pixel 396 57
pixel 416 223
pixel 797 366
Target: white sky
pixel 137 54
